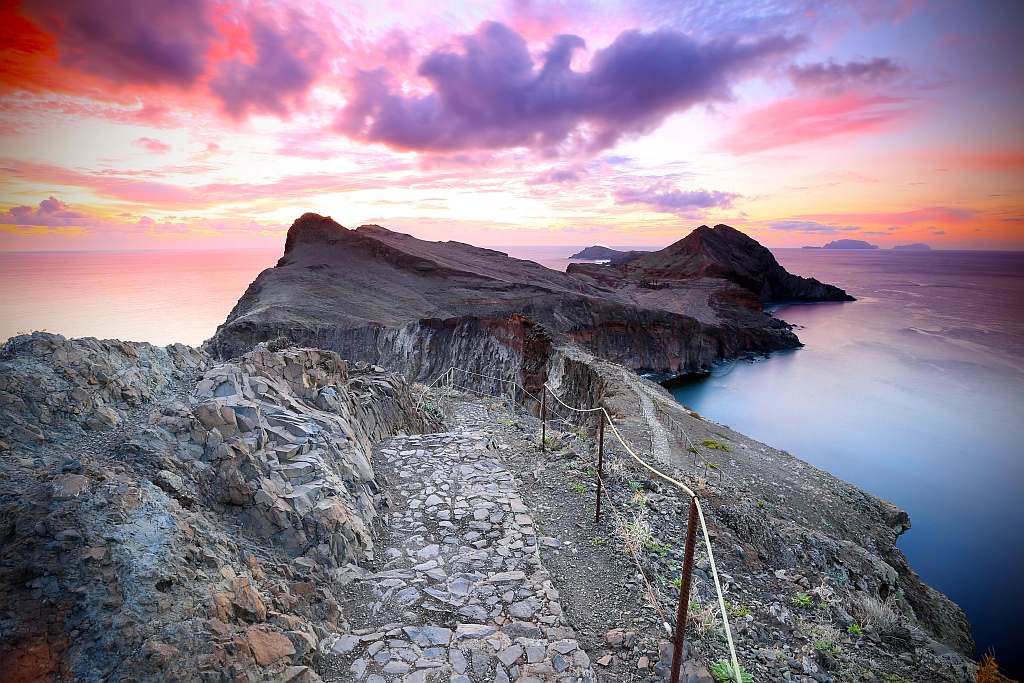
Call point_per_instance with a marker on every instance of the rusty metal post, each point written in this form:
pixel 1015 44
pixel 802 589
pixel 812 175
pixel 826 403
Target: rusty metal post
pixel 543 416
pixel 684 591
pixel 600 466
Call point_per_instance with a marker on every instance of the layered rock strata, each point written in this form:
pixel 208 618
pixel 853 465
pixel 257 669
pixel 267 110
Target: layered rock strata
pixel 196 534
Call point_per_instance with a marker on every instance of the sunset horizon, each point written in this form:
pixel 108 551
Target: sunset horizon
pixel 216 124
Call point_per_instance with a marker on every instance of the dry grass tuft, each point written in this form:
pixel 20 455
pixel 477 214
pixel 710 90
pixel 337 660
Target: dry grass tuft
pixel 638 532
pixel 888 621
pixel 988 670
pixel 705 620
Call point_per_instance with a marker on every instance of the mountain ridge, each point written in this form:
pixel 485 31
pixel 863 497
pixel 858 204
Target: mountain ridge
pixel 377 295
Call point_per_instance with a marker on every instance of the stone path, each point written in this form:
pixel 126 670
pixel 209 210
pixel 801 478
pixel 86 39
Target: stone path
pixel 461 594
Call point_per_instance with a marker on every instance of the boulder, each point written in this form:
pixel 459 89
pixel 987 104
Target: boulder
pixel 103 419
pixel 246 601
pixel 269 646
pixel 156 653
pixel 68 486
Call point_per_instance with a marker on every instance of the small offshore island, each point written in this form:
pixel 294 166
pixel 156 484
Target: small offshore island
pixel 298 500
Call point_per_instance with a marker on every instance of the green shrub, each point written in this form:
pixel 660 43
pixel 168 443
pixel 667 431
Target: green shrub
pixel 722 671
pixel 715 445
pixel 802 600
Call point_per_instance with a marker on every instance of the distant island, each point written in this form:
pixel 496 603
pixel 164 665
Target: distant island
pixel 850 244
pixel 599 252
pixel 810 247
pixel 916 246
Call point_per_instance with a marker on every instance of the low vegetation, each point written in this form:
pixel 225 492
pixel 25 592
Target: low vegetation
pixel 722 671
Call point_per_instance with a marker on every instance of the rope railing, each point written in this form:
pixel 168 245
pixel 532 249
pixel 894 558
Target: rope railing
pixel 448 382
pixel 700 512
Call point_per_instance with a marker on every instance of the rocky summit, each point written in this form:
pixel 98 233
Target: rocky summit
pixel 720 253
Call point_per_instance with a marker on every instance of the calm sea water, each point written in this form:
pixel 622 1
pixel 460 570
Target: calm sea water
pixel 155 296
pixel 915 393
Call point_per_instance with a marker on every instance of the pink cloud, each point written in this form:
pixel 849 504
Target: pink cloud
pixel 50 212
pixel 288 57
pixel 161 195
pixel 541 19
pixel 246 57
pixel 558 176
pixel 130 42
pixel 664 198
pixel 152 146
pixel 492 95
pixel 794 121
pixel 833 78
pixel 947 215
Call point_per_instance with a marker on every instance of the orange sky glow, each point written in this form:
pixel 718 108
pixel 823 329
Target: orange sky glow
pixel 172 124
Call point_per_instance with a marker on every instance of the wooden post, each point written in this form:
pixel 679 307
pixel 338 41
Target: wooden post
pixel 684 591
pixel 543 416
pixel 600 466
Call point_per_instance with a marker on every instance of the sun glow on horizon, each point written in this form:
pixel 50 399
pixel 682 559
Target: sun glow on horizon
pixel 215 123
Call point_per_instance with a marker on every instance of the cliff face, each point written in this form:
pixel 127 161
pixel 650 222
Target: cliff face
pixel 420 307
pixel 155 504
pixel 773 510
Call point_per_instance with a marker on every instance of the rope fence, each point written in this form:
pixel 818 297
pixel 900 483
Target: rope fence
pixel 446 383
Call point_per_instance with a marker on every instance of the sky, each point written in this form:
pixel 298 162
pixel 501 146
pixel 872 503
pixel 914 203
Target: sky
pixel 175 124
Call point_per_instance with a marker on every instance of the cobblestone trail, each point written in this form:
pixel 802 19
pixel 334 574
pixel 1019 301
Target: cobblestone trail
pixel 461 594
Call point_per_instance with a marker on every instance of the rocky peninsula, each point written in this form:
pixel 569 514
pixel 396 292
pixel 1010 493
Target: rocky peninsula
pixel 296 501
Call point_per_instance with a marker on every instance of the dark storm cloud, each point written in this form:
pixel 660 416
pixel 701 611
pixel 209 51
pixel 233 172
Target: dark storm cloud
pixel 288 60
pixel 137 42
pixel 492 95
pixel 258 58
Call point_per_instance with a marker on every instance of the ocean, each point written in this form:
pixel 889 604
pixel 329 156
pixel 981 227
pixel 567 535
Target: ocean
pixel 159 297
pixel 915 392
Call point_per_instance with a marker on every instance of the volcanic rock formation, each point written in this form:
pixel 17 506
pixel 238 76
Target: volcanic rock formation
pixel 615 257
pixel 420 307
pixel 721 253
pixel 850 244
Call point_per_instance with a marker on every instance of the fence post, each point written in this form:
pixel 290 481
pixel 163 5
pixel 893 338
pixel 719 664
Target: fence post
pixel 600 466
pixel 543 416
pixel 684 591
